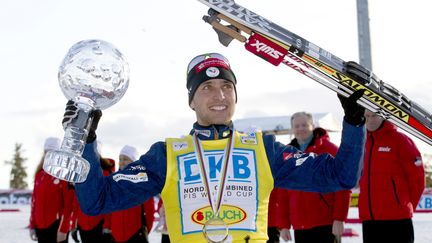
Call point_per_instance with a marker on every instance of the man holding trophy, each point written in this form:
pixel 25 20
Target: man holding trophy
pixel 216 182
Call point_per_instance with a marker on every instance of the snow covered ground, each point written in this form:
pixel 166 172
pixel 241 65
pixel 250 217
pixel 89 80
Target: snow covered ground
pixel 13 226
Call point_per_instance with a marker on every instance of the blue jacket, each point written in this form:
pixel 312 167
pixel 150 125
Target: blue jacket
pixel 291 169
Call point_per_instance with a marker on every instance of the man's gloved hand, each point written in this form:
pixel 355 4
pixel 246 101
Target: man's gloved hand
pixel 354 113
pixel 33 235
pixel 96 115
pixel 358 72
pixel 71 113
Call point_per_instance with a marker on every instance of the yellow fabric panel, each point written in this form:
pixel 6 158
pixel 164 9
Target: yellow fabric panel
pixel 245 199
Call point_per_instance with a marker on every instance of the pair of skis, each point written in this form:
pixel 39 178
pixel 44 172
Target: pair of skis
pixel 278 45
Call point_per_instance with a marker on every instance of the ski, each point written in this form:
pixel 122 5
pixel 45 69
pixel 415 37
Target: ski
pixel 278 45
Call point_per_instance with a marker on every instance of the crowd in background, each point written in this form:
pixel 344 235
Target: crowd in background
pixel 390 189
pixel 55 211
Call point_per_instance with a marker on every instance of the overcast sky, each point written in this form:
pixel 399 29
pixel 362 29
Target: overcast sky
pixel 158 38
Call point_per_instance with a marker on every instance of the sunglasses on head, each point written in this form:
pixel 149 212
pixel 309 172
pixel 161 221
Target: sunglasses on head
pixel 203 57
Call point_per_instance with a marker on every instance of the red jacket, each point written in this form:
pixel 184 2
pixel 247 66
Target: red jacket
pixel 393 177
pixel 305 210
pixel 87 222
pixel 51 200
pixel 125 223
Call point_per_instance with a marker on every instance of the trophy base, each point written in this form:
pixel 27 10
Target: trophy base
pixel 66 166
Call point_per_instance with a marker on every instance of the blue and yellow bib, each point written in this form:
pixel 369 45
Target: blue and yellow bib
pixel 245 197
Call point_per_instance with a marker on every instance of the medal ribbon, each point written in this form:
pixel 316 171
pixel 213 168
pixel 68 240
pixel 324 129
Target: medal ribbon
pixel 199 153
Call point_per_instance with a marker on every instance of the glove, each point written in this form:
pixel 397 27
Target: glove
pixel 61 236
pixel 338 227
pixel 71 113
pixel 285 234
pixel 354 113
pixel 358 72
pixel 96 115
pixel 33 235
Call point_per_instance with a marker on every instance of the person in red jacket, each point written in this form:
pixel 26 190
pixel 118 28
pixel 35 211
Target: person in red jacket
pixel 94 228
pixel 315 217
pixel 51 203
pixel 132 225
pixel 392 183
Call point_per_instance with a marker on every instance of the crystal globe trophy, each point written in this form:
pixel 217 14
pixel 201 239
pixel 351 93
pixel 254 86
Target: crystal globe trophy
pixel 95 75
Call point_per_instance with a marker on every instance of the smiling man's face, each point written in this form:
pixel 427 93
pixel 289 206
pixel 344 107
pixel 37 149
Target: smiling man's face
pixel 214 102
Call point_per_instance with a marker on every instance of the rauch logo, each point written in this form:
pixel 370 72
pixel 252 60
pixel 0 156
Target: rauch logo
pixel 228 213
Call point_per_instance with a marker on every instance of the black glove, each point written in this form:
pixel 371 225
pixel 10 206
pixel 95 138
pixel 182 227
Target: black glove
pixel 71 115
pixel 354 113
pixel 96 115
pixel 358 72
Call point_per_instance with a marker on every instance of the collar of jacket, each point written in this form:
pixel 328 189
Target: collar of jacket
pixel 212 132
pixel 318 135
pixel 385 127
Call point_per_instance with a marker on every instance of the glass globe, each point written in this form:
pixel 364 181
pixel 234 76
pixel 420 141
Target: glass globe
pixel 94 72
pixel 96 76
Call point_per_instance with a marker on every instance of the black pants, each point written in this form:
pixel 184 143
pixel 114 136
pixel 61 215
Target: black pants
pixel 49 235
pixel 273 235
pixel 139 237
pixel 93 235
pixel 319 234
pixel 395 231
pixel 165 238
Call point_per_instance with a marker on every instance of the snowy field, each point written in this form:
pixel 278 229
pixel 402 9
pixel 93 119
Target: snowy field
pixel 13 227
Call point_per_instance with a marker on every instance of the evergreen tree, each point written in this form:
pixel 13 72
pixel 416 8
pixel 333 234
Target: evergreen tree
pixel 429 178
pixel 18 174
